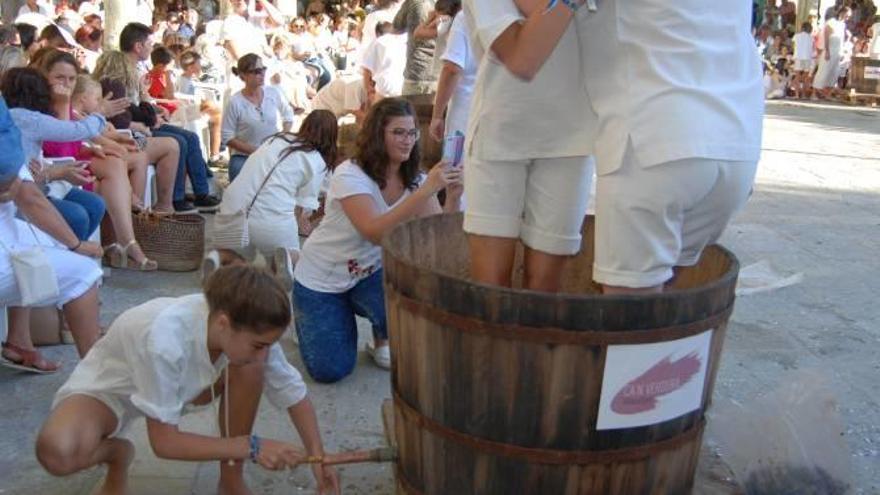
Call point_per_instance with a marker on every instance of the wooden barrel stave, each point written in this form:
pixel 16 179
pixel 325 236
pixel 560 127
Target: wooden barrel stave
pixel 496 379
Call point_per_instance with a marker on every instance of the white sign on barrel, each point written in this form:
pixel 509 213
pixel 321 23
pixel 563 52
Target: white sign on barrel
pixel 646 384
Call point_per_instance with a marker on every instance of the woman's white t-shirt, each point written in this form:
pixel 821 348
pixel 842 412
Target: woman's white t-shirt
pixel 154 360
pixel 336 256
pixel 251 123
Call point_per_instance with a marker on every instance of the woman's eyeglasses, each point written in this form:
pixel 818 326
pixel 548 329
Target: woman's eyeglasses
pixel 401 134
pixel 258 70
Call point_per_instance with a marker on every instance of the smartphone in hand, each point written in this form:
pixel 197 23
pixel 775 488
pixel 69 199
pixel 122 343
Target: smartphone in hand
pixel 453 148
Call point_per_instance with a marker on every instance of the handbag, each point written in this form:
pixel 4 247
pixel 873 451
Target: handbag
pixel 37 282
pixel 231 229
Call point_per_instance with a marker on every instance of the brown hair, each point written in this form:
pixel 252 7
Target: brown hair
pixel 251 297
pixel 318 132
pixel 46 58
pixel 371 154
pixel 246 64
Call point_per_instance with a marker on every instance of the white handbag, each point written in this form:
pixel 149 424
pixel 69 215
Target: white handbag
pixel 37 282
pixel 231 229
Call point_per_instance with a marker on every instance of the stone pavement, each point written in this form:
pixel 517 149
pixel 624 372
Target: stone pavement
pixel 814 212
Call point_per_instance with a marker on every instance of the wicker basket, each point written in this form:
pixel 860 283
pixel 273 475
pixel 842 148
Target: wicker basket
pixel 176 243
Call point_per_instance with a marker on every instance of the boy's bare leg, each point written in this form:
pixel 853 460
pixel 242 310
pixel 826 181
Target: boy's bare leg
pixel 492 259
pixel 74 438
pixel 245 389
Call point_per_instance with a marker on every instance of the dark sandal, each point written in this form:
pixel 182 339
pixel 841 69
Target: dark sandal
pixel 29 360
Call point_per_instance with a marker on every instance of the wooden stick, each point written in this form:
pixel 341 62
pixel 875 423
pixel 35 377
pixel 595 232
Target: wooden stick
pixel 385 454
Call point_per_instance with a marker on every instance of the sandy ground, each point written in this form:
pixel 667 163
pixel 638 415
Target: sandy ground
pixel 813 217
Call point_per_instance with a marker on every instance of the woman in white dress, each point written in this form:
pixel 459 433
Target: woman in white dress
pixel 833 35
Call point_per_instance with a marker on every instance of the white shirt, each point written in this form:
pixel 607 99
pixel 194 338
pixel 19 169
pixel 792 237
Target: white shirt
pixel 245 121
pixel 803 46
pixel 874 49
pixel 459 51
pixel 679 79
pixel 336 256
pixel 342 96
pixel 41 9
pixel 512 119
pixel 155 360
pixel 386 59
pixel 373 19
pixel 246 37
pixel 295 182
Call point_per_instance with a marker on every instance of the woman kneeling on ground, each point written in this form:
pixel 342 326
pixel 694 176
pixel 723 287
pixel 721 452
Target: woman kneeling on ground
pixel 278 187
pixel 160 358
pixel 339 274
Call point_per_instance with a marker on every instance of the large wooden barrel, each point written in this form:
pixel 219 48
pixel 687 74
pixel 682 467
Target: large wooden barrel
pixel 508 391
pixel 431 150
pixel 865 75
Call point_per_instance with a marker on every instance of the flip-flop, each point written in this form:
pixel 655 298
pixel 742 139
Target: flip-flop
pixel 28 361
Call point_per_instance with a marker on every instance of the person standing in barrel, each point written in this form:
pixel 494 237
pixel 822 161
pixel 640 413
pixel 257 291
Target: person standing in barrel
pixel 677 87
pixel 530 135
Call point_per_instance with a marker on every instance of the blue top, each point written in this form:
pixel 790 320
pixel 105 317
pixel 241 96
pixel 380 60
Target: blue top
pixel 37 127
pixel 11 154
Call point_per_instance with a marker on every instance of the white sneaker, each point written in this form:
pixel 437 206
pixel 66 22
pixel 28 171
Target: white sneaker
pixel 284 263
pixel 210 264
pixel 381 355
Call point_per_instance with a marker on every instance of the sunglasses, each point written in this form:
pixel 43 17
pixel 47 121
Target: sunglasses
pixel 258 70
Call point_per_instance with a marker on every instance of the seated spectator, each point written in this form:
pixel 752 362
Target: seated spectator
pixel 177 26
pixel 53 36
pixel 76 275
pixel 34 7
pixel 279 186
pixel 159 79
pixel 191 66
pixel 91 40
pixel 27 35
pixel 304 48
pixel 253 114
pixel 110 163
pixel 116 74
pixel 384 63
pixel 290 76
pixel 136 43
pixel 339 273
pixel 10 58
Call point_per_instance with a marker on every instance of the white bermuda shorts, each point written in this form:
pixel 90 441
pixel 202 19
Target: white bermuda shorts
pixel 541 201
pixel 649 220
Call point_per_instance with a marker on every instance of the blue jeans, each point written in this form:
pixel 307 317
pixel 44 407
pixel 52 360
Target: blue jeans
pixel 326 326
pixel 82 211
pixel 191 161
pixel 236 163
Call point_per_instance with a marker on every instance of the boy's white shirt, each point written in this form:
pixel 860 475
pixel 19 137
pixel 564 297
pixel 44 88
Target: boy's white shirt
pixel 155 359
pixel 511 119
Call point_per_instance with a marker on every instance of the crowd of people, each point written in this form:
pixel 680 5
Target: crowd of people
pixel 814 60
pixel 540 93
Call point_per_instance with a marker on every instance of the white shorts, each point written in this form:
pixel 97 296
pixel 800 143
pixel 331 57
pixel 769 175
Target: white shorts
pixel 803 65
pixel 540 201
pixel 649 220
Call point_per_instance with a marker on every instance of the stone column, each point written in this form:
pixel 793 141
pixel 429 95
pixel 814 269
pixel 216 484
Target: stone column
pixel 115 18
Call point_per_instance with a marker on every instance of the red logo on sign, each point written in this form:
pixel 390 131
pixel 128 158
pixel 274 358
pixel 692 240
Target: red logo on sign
pixel 640 395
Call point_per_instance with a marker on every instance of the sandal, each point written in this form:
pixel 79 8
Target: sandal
pixel 29 360
pixel 119 258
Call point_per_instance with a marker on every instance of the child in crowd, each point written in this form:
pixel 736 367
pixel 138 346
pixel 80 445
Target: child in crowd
pixel 162 357
pixel 803 61
pixel 161 85
pixel 191 65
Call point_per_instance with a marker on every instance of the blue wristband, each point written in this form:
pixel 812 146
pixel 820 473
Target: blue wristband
pixel 571 4
pixel 255 448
